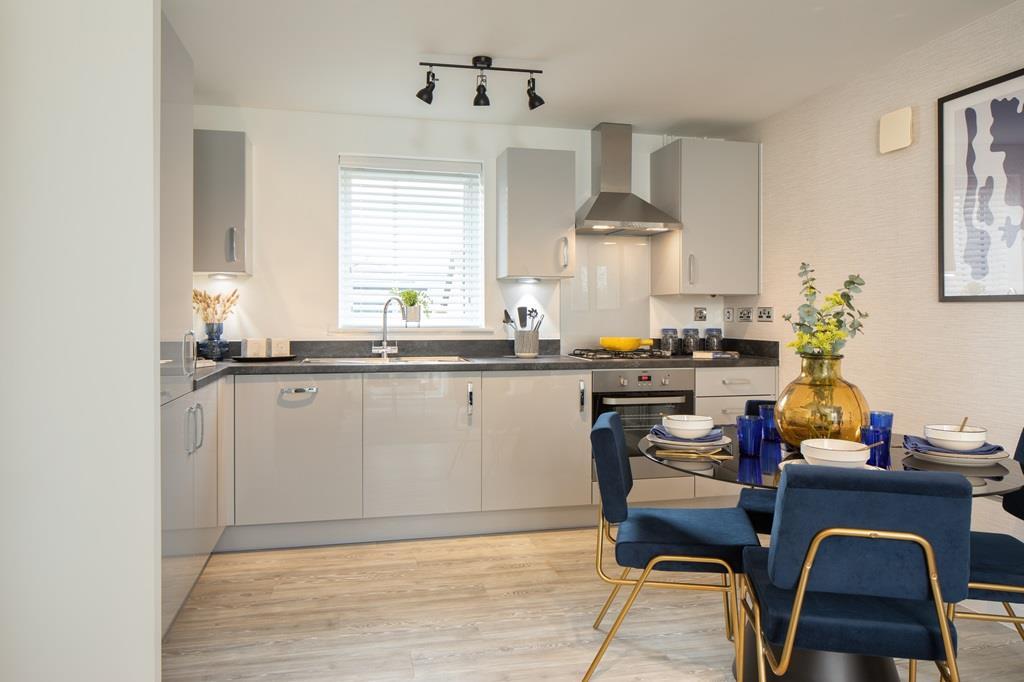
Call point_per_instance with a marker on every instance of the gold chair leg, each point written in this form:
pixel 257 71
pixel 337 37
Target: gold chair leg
pixel 759 639
pixel 912 677
pixel 618 622
pixel 729 632
pixel 737 611
pixel 609 600
pixel 1012 614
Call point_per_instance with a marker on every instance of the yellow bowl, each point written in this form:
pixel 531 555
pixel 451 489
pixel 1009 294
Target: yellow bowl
pixel 624 343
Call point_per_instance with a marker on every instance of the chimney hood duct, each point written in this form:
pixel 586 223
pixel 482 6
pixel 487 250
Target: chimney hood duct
pixel 613 208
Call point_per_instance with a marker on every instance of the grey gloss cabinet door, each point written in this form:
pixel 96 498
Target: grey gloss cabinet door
pixel 222 216
pixel 421 445
pixel 536 440
pixel 713 187
pixel 299 455
pixel 536 211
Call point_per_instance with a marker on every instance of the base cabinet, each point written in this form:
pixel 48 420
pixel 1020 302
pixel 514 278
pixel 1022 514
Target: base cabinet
pixel 298 456
pixel 536 440
pixel 421 445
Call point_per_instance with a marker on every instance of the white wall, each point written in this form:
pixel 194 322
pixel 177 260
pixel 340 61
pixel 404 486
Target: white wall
pixel 831 199
pixel 293 292
pixel 79 494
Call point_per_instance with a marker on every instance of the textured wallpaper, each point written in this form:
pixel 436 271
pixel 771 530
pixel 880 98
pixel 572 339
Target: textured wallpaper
pixel 831 199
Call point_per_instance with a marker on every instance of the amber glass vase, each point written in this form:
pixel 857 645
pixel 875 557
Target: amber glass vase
pixel 820 403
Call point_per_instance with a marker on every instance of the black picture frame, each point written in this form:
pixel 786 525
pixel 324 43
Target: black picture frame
pixel 944 125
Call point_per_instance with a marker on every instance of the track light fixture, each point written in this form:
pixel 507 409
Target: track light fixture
pixel 483 63
pixel 427 93
pixel 532 98
pixel 481 99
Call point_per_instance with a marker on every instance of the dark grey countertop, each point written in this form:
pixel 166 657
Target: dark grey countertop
pixel 207 375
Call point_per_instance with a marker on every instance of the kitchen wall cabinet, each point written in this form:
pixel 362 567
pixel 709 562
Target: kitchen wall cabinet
pixel 536 440
pixel 188 491
pixel 421 444
pixel 536 205
pixel 177 348
pixel 223 217
pixel 298 455
pixel 713 187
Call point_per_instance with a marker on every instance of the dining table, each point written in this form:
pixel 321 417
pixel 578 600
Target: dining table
pixel 764 470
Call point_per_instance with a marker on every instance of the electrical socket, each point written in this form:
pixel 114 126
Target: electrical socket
pixel 765 313
pixel 700 314
pixel 730 314
pixel 745 314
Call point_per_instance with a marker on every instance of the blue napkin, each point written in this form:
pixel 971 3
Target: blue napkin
pixel 662 433
pixel 919 444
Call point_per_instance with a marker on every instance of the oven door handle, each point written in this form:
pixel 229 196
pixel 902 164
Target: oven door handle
pixel 666 400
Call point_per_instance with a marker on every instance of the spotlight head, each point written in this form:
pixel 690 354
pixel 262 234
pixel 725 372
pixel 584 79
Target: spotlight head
pixel 481 99
pixel 532 98
pixel 427 93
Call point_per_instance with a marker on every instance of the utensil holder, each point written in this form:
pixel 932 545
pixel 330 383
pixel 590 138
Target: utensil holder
pixel 527 343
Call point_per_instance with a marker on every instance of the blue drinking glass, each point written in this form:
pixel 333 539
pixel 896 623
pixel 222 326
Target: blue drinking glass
pixel 749 471
pixel 749 429
pixel 873 434
pixel 883 420
pixel 771 455
pixel 769 431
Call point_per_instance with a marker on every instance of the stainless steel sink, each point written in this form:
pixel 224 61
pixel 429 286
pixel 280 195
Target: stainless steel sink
pixel 407 360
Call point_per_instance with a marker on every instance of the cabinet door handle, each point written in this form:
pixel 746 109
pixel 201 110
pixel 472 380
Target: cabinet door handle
pixel 188 353
pixel 190 438
pixel 300 389
pixel 565 251
pixel 732 410
pixel 469 398
pixel 691 263
pixel 734 382
pixel 201 426
pixel 583 395
pixel 232 244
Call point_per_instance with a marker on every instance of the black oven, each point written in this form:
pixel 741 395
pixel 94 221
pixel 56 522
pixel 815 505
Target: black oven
pixel 642 397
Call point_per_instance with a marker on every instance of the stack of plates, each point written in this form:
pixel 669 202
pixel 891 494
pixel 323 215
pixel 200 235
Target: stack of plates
pixel 680 445
pixel 978 457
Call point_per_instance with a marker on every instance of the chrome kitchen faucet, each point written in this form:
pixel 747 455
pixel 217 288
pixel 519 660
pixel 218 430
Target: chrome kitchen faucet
pixel 384 349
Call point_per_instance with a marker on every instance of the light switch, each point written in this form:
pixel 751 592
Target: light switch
pixel 895 130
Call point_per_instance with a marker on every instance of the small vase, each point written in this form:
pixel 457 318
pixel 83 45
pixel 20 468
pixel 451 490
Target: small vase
pixel 214 347
pixel 820 403
pixel 413 314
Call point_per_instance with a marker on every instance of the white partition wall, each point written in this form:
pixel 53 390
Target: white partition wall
pixel 78 296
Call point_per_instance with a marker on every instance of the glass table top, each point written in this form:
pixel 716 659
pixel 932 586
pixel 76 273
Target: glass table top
pixel 764 471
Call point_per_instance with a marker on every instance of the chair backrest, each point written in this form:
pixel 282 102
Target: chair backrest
pixel 1013 503
pixel 611 459
pixel 752 407
pixel 936 506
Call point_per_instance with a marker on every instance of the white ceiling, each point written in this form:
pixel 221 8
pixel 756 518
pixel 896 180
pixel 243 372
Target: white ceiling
pixel 677 66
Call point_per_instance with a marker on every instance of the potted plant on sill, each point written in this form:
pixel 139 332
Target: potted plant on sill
pixel 416 302
pixel 820 403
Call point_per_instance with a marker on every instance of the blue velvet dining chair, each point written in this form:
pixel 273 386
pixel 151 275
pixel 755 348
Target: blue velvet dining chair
pixel 861 562
pixel 997 563
pixel 758 503
pixel 647 539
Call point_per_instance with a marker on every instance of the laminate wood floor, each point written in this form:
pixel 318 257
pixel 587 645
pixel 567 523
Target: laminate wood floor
pixel 491 608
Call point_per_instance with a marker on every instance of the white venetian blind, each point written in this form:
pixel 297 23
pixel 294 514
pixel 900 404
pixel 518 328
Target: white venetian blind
pixel 409 224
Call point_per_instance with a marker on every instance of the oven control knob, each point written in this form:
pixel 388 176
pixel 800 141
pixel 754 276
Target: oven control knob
pixel 623 382
pixel 664 381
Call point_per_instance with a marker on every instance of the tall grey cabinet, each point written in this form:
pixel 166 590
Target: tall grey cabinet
pixel 536 204
pixel 713 188
pixel 223 239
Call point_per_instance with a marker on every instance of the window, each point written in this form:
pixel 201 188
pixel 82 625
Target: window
pixel 407 224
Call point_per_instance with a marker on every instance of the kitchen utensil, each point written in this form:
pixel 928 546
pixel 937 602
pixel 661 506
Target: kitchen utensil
pixel 624 343
pixel 963 424
pixel 531 313
pixel 675 454
pixel 508 320
pixel 955 437
pixel 521 310
pixel 536 325
pixel 835 452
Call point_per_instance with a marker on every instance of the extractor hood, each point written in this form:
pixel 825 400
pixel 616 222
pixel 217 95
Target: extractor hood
pixel 613 208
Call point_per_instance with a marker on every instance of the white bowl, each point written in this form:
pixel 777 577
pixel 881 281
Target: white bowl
pixel 950 436
pixel 835 452
pixel 688 425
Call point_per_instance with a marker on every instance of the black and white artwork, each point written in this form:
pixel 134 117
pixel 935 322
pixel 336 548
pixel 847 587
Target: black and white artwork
pixel 981 192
